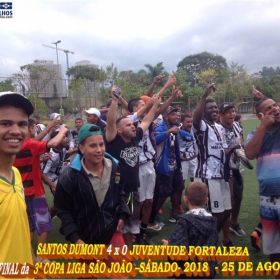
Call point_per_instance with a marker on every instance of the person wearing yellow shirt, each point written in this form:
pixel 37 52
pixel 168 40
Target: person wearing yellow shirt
pixel 15 110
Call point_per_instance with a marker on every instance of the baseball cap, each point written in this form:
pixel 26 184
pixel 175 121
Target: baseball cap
pixel 169 110
pixel 54 115
pixel 88 130
pixel 93 111
pixel 225 106
pixel 145 98
pixel 18 100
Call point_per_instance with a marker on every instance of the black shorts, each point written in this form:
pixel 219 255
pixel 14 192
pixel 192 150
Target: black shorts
pixel 173 182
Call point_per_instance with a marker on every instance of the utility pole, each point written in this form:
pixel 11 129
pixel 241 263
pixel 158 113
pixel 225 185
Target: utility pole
pixel 57 42
pixel 67 61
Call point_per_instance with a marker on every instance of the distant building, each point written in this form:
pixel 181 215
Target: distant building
pixel 56 87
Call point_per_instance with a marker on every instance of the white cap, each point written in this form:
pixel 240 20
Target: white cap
pixel 93 111
pixel 54 116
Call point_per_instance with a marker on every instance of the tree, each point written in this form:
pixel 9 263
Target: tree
pixel 195 63
pixel 31 81
pixel 6 85
pixel 205 77
pixel 33 78
pixel 151 71
pixel 88 76
pixel 234 84
pixel 270 72
pixel 39 104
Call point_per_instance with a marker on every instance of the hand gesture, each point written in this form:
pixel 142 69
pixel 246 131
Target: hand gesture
pixel 64 128
pixel 258 94
pixel 156 99
pixel 56 121
pixel 267 119
pixel 113 90
pixel 158 79
pixel 176 92
pixel 174 130
pixel 171 81
pixel 47 156
pixel 209 89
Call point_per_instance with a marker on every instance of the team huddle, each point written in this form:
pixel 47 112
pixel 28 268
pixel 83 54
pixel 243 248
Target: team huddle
pixel 111 176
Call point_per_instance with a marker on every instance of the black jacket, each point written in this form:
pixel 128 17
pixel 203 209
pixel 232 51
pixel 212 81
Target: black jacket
pixel 195 230
pixel 77 207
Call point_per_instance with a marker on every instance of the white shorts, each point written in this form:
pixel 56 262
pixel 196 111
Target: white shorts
pixel 219 194
pixel 270 219
pixel 188 168
pixel 147 178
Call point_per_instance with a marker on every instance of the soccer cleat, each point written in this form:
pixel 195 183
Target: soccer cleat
pixel 255 240
pixel 237 230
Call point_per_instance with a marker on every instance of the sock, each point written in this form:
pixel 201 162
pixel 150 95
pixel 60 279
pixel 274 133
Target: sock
pixel 258 229
pixel 143 228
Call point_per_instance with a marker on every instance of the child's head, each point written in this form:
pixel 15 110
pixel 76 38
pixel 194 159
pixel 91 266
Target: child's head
pixel 196 195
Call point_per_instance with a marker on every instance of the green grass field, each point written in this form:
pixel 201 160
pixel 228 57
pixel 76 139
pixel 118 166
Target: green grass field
pixel 248 218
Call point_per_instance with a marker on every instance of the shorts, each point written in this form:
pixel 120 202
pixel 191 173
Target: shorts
pixel 270 218
pixel 147 177
pixel 131 225
pixel 219 194
pixel 171 183
pixel 236 190
pixel 188 168
pixel 39 217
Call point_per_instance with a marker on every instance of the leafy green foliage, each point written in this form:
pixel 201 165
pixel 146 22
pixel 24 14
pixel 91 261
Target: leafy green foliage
pixel 199 62
pixel 6 85
pixel 33 78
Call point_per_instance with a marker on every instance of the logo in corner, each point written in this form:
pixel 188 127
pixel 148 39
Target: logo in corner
pixel 6 10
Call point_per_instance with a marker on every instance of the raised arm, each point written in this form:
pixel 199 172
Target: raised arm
pixel 111 129
pixel 258 94
pixel 151 115
pixel 123 101
pixel 53 123
pixel 171 81
pixel 253 147
pixel 176 92
pixel 198 113
pixel 58 138
pixel 157 80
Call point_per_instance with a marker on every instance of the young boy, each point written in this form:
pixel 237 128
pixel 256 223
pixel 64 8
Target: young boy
pixel 196 227
pixel 27 161
pixel 53 167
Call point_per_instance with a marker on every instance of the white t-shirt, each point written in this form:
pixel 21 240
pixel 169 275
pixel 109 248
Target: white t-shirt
pixel 210 143
pixel 39 128
pixel 53 166
pixel 146 149
pixel 187 149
